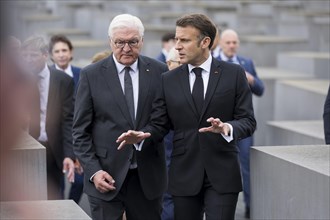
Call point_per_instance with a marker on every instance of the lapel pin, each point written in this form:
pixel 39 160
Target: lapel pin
pixel 147 70
pixel 216 72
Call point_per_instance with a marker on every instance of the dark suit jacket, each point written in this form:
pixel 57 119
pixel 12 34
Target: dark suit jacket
pixel 258 87
pixel 59 116
pixel 326 118
pixel 76 73
pixel 228 97
pixel 101 115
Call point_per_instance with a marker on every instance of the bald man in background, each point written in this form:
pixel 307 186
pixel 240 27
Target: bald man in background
pixel 229 44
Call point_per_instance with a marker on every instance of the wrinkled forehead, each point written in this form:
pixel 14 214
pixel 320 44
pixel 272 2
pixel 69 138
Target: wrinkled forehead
pixel 125 33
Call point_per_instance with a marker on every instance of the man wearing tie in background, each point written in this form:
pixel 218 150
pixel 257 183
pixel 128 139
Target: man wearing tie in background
pixel 204 175
pixel 115 95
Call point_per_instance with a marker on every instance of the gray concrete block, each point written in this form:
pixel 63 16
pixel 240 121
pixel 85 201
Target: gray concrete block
pixel 300 99
pixel 86 48
pixel 264 106
pixel 295 133
pixel 290 182
pixel 42 210
pixel 315 64
pixel 266 48
pixel 23 171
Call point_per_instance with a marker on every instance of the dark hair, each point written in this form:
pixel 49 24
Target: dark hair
pixel 201 23
pixel 168 36
pixel 59 38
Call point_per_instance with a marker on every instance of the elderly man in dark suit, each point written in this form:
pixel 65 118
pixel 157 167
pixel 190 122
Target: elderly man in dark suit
pixel 115 95
pixel 52 124
pixel 229 43
pixel 204 174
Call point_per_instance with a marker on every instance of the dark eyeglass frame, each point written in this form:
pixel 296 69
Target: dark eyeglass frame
pixel 131 43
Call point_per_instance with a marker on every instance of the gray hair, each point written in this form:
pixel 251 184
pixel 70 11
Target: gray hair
pixel 36 42
pixel 173 54
pixel 126 21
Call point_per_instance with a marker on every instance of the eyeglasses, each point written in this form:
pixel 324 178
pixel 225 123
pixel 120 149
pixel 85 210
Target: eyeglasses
pixel 131 43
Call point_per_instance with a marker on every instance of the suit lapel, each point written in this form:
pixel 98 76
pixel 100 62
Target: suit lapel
pixel 109 72
pixel 144 86
pixel 185 85
pixel 212 85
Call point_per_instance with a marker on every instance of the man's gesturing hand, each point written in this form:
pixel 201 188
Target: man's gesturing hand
pixel 131 137
pixel 103 182
pixel 217 126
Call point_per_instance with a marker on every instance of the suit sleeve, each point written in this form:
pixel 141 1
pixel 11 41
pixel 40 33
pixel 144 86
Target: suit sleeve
pixel 82 127
pixel 326 118
pixel 258 86
pixel 67 117
pixel 244 123
pixel 159 122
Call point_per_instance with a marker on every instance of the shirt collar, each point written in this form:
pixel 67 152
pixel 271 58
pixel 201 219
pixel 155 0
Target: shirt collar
pixel 225 58
pixel 120 67
pixel 206 66
pixel 44 72
pixel 67 70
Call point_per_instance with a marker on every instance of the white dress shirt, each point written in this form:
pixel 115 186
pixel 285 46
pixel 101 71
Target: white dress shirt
pixel 68 70
pixel 206 66
pixel 43 84
pixel 225 58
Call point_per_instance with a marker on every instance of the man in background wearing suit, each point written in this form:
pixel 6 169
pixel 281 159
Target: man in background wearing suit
pixel 167 44
pixel 61 51
pixel 229 43
pixel 115 95
pixel 52 125
pixel 204 172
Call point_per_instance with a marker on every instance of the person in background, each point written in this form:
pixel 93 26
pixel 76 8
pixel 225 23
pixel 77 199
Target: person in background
pixel 100 56
pixel 173 61
pixel 115 95
pixel 208 104
pixel 61 53
pixel 229 43
pixel 326 118
pixel 167 43
pixel 51 119
pixel 215 49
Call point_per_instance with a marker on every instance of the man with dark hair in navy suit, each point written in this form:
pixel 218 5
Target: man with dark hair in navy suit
pixel 229 43
pixel 167 44
pixel 61 51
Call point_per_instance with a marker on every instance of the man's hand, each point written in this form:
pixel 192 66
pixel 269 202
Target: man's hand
pixel 68 168
pixel 217 126
pixel 250 78
pixel 78 167
pixel 131 137
pixel 103 182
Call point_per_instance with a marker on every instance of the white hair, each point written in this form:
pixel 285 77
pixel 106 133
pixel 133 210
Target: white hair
pixel 126 21
pixel 173 54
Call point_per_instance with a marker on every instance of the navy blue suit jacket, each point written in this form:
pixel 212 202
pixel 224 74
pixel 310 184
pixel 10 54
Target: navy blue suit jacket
pixel 161 57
